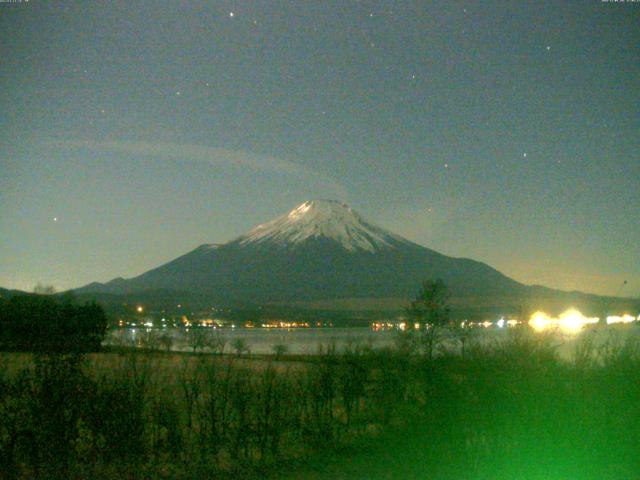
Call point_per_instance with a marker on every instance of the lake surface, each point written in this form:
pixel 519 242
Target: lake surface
pixel 307 341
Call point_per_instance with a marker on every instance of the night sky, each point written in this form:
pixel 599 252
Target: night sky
pixel 508 132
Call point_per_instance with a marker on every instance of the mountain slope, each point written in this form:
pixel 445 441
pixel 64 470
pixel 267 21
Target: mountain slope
pixel 320 250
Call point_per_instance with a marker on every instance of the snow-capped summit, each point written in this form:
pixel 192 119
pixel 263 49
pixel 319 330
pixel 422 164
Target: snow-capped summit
pixel 328 219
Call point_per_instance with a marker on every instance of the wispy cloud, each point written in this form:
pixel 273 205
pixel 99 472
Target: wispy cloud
pixel 211 155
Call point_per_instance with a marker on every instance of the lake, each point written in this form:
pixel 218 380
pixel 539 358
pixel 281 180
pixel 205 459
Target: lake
pixel 307 341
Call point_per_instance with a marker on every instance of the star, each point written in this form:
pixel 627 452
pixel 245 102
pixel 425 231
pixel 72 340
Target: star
pixel 548 47
pixel 55 219
pixel 231 14
pixel 524 154
pixel 446 165
pixel 178 93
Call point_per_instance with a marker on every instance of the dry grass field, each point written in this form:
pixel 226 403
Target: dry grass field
pixel 514 410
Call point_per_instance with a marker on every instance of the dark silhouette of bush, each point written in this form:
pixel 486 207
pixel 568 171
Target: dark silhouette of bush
pixel 39 323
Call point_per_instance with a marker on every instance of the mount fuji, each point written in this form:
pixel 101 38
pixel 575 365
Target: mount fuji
pixel 320 250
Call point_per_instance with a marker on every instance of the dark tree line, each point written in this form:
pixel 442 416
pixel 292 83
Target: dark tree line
pixel 42 323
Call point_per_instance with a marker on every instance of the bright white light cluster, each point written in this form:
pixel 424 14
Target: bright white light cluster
pixel 626 318
pixel 571 321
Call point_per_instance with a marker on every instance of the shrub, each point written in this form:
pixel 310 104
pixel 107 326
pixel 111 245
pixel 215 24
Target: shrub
pixel 45 324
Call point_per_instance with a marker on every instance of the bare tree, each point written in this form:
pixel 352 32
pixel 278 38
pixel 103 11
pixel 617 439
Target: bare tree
pixel 240 346
pixel 42 289
pixel 429 312
pixel 166 341
pixel 150 340
pixel 217 343
pixel 464 333
pixel 279 349
pixel 197 338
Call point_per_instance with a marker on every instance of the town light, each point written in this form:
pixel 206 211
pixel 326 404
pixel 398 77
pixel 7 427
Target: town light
pixel 570 321
pixel 626 318
pixel 540 321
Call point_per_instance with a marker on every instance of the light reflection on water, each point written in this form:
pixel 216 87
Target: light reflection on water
pixel 307 341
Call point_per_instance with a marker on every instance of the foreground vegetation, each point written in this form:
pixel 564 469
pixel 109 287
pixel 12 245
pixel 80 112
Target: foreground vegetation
pixel 513 410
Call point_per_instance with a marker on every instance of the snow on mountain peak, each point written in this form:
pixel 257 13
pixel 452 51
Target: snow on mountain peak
pixel 327 219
